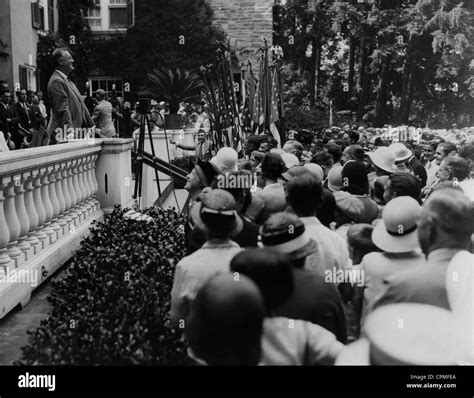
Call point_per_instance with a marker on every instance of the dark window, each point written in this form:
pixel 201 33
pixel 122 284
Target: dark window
pixel 23 77
pixel 41 17
pixel 51 15
pixel 35 15
pixel 121 14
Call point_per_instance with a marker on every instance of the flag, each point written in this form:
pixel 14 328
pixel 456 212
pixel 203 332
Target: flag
pixel 274 105
pixel 228 110
pixel 258 116
pixel 249 99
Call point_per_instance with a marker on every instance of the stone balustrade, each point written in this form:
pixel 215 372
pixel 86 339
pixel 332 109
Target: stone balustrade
pixel 49 196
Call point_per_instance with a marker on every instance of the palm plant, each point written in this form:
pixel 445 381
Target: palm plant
pixel 174 86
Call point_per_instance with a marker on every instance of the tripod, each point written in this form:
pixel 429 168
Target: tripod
pixel 139 151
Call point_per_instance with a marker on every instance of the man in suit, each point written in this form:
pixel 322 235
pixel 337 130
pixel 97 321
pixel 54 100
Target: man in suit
pixel 201 148
pixel 102 115
pixel 22 109
pixel 38 124
pixel 69 114
pixel 8 118
pixel 444 229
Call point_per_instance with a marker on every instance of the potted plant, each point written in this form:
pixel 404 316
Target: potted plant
pixel 174 87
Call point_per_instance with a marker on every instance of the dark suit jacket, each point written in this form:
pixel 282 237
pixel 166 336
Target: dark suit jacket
pixel 315 301
pixel 67 105
pixel 7 113
pixel 425 284
pixel 24 115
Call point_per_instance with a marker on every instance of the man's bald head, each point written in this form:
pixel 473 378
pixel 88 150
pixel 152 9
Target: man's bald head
pixel 225 322
pixel 446 221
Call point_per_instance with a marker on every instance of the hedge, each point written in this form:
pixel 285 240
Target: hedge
pixel 111 307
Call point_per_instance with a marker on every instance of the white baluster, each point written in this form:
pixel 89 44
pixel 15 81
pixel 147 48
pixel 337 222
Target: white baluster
pixel 82 188
pixel 87 179
pixel 23 218
pixel 75 182
pixel 12 221
pixel 65 186
pixel 72 193
pixel 53 197
pixel 89 171
pixel 47 205
pixel 94 182
pixel 40 210
pixel 63 223
pixel 31 210
pixel 87 187
pixel 5 260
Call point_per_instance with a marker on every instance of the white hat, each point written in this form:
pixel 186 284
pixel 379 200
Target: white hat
pixel 276 150
pixel 316 170
pixel 226 160
pixel 414 334
pixel 402 153
pixel 335 179
pixel 290 160
pixel 397 232
pixel 460 283
pixel 383 158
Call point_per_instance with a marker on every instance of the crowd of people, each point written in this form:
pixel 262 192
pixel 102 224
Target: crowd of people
pixel 322 253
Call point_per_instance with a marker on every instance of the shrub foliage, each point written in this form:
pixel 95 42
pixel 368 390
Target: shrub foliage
pixel 111 307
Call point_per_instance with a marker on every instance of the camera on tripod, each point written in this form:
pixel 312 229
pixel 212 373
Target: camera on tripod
pixel 144 106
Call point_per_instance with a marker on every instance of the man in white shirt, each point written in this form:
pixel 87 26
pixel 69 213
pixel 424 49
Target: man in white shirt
pixel 429 150
pixel 304 195
pixel 216 215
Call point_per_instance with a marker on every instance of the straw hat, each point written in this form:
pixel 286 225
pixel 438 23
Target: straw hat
pixel 335 179
pixel 383 158
pixel 226 160
pixel 290 160
pixel 408 334
pixel 402 153
pixel 397 232
pixel 316 170
pixel 277 235
pixel 217 212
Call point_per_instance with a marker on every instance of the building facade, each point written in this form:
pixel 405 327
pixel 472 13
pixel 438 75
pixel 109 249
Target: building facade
pixel 246 23
pixel 21 24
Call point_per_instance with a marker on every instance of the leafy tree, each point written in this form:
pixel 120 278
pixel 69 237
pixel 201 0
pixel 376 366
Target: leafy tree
pixel 73 33
pixel 391 61
pixel 173 34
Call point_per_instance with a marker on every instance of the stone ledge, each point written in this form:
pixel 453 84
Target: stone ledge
pixel 50 260
pixel 15 162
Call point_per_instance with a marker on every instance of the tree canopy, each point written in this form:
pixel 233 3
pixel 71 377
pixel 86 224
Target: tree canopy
pixel 387 61
pixel 169 33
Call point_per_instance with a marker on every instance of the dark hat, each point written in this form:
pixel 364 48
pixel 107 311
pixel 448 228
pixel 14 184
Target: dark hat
pixel 285 233
pixel 206 172
pixel 217 213
pixel 354 174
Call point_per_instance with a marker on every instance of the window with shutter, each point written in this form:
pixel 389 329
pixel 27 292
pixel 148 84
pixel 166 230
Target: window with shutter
pixel 118 14
pixel 131 13
pixel 51 15
pixel 93 16
pixel 35 15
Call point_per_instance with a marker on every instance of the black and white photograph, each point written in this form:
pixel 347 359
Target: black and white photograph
pixel 237 191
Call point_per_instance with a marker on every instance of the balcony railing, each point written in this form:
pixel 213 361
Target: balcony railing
pixel 49 196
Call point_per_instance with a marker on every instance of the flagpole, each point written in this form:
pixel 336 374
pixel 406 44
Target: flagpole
pixel 330 113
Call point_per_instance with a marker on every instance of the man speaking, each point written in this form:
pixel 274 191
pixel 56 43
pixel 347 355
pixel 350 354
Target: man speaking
pixel 68 110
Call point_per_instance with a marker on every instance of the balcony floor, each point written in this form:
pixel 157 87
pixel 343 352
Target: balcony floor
pixel 14 326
